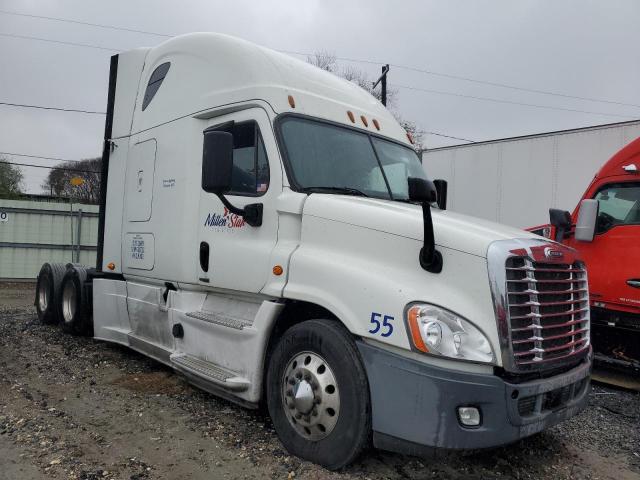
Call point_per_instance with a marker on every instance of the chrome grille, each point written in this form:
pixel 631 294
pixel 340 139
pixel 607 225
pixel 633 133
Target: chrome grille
pixel 548 310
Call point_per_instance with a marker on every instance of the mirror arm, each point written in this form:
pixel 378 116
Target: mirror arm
pixel 430 258
pixel 252 213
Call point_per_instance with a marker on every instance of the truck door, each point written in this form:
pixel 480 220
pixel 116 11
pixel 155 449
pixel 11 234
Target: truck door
pixel 230 253
pixel 613 258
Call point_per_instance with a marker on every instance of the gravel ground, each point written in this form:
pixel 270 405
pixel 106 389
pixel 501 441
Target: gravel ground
pixel 77 408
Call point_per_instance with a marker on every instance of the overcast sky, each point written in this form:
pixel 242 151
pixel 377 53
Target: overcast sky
pixel 579 48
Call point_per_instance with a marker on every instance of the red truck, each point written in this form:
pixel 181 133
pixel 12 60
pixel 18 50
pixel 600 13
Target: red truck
pixel 605 228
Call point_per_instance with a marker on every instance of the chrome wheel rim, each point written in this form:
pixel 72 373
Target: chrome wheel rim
pixel 310 396
pixel 43 294
pixel 69 302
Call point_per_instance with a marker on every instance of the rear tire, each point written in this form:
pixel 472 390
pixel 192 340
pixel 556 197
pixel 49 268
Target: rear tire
pixel 318 394
pixel 48 292
pixel 74 306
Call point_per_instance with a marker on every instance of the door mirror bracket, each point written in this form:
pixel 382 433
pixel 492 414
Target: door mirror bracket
pixel 423 191
pixel 217 165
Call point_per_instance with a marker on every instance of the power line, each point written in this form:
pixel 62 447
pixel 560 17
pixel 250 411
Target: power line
pixel 449 136
pixel 38 156
pixel 509 102
pixel 346 59
pixel 41 107
pixel 50 168
pixel 513 87
pixel 469 79
pixel 73 44
pixel 78 22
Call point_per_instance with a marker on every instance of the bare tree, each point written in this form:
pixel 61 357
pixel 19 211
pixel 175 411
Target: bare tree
pixel 10 180
pixel 327 61
pixel 324 60
pixel 79 181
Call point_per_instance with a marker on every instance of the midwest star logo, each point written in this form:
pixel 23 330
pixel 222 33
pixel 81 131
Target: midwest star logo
pixel 227 220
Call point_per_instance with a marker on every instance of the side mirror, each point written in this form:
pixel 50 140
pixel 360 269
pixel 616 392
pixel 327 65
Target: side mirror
pixel 561 219
pixel 424 191
pixel 217 165
pixel 217 161
pixel 587 219
pixel 441 188
pixel 421 190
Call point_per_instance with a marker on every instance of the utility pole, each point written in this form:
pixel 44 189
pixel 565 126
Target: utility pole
pixel 383 84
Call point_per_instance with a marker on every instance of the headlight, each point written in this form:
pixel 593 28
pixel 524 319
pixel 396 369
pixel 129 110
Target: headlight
pixel 441 332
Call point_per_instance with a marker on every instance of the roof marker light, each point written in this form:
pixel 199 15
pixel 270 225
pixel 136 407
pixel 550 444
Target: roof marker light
pixel 351 117
pixel 631 168
pixel 292 102
pixel 364 120
pixel 376 124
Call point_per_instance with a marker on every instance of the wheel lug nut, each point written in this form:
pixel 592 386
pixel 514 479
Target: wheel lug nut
pixel 298 416
pixel 289 393
pixel 292 381
pixel 316 401
pixel 307 377
pixel 298 375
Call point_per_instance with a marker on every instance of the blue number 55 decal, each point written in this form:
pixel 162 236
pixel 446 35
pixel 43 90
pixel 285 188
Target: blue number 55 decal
pixel 377 326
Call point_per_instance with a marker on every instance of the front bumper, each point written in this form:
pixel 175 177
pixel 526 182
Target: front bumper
pixel 414 405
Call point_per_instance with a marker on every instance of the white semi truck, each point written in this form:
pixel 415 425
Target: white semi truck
pixel 267 230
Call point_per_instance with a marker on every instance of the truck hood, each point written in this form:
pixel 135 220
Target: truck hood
pixel 452 230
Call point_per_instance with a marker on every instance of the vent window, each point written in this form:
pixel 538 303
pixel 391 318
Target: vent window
pixel 157 77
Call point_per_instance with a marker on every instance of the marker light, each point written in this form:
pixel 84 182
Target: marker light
pixel 292 102
pixel 277 270
pixel 364 120
pixel 111 266
pixel 440 332
pixel 376 124
pixel 351 116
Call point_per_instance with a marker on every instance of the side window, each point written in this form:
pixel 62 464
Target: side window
pixel 155 81
pixel 250 173
pixel 619 205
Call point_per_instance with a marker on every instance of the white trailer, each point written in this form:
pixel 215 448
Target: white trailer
pixel 267 230
pixel 515 181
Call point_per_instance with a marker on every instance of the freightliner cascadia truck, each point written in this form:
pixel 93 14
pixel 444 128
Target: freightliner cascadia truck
pixel 605 228
pixel 268 231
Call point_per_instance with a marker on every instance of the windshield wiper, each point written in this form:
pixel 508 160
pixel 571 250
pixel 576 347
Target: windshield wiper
pixel 342 190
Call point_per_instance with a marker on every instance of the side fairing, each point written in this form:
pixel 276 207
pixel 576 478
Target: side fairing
pixel 363 276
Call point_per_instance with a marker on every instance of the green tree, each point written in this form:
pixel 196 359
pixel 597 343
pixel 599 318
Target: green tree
pixel 10 180
pixel 327 61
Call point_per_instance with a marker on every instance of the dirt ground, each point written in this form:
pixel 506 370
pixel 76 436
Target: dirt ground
pixel 77 408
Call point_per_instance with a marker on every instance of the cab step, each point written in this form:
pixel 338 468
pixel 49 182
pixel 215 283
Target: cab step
pixel 192 366
pixel 218 319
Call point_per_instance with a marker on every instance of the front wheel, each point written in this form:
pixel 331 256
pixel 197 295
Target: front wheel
pixel 318 394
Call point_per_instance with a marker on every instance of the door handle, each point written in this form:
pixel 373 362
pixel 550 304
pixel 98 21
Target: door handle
pixel 634 282
pixel 204 256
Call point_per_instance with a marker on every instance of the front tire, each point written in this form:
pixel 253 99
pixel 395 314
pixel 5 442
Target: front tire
pixel 318 394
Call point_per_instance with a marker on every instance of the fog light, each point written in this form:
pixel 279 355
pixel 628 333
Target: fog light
pixel 469 416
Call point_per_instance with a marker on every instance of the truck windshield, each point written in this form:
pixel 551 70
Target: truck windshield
pixel 332 159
